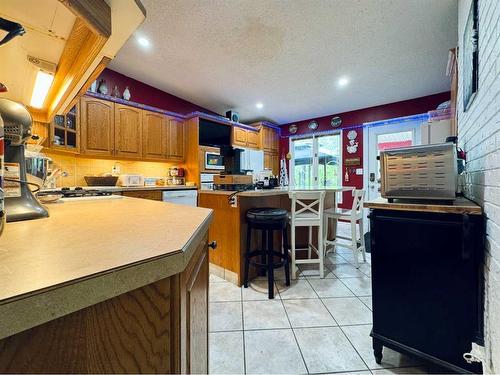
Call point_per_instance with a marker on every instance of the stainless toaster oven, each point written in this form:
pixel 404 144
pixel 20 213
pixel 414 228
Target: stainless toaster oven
pixel 419 172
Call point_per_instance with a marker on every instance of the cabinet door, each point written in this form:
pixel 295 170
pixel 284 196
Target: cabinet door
pixel 97 127
pixel 271 161
pixel 128 131
pixel 239 136
pixel 175 139
pixel 154 132
pixel 194 323
pixel 252 139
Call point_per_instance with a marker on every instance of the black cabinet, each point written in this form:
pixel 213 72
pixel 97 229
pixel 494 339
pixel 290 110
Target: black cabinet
pixel 427 282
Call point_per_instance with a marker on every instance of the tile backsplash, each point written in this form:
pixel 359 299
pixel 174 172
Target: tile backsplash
pixel 77 167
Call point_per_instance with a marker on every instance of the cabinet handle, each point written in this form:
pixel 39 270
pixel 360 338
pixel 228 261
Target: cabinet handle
pixel 213 245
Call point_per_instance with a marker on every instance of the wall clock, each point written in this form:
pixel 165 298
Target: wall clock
pixel 313 125
pixel 292 129
pixel 335 122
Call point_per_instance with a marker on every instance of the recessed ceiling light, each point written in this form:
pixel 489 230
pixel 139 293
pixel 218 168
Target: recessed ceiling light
pixel 144 42
pixel 259 105
pixel 344 81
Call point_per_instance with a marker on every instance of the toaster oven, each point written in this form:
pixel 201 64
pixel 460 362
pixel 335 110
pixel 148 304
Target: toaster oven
pixel 419 172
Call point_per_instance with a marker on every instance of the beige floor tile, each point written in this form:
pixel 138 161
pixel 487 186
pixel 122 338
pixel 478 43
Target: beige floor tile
pixel 226 353
pixel 360 286
pixel 359 336
pixel 367 301
pixel 297 289
pixel 273 352
pixel 224 292
pixel 327 349
pixel 308 313
pixel 330 288
pixel 268 314
pixel 225 316
pixel 346 270
pixel 216 279
pixel 349 310
pixel 258 291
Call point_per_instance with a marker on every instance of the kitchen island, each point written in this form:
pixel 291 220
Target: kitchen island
pixel 102 286
pixel 229 225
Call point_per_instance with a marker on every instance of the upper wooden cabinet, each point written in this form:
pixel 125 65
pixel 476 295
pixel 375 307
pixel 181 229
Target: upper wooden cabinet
pixel 269 138
pixel 175 139
pixel 128 131
pixel 97 120
pixel 154 134
pixel 113 129
pixel 245 137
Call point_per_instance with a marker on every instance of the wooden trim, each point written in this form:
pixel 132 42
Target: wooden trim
pixel 80 51
pixel 95 13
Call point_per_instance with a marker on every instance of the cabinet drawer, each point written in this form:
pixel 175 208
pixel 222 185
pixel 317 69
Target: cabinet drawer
pixel 155 195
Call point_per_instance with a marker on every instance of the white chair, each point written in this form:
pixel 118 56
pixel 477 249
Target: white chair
pixel 307 211
pixel 355 214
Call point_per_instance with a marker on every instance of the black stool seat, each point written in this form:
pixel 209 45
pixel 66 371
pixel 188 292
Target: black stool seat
pixel 267 220
pixel 266 215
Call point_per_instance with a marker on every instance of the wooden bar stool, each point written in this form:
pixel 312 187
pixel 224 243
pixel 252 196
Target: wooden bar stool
pixel 354 215
pixel 307 211
pixel 267 220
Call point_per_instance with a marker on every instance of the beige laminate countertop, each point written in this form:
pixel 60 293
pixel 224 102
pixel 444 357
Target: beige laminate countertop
pixel 461 205
pixel 275 191
pixel 89 251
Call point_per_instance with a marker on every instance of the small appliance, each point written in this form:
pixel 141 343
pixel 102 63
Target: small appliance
pixel 233 116
pixel 207 181
pixel 20 203
pixel 131 180
pixel 214 160
pixel 419 172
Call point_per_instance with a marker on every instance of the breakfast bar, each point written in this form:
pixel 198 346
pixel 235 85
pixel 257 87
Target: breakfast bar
pixel 228 227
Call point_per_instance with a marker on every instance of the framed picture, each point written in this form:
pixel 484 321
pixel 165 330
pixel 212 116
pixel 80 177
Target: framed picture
pixel 470 58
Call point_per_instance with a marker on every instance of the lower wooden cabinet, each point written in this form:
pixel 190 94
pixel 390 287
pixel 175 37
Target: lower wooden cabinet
pixel 161 327
pixel 154 195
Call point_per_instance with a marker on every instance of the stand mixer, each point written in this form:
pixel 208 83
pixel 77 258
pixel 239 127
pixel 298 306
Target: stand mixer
pixel 20 203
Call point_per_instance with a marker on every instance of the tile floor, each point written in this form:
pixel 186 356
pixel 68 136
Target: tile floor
pixel 314 326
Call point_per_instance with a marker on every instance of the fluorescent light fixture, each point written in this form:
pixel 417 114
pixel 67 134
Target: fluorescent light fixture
pixel 143 42
pixel 259 105
pixel 43 82
pixel 343 81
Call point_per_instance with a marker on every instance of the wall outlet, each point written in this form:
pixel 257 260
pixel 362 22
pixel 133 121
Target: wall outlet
pixel 233 201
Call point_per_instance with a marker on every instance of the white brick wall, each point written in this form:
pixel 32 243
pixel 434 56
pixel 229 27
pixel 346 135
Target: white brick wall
pixel 479 136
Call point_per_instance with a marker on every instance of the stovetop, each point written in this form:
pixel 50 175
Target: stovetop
pixel 77 192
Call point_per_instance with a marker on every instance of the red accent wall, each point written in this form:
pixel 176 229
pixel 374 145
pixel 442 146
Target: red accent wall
pixel 149 95
pixel 357 118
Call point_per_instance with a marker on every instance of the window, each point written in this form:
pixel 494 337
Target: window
pixel 316 160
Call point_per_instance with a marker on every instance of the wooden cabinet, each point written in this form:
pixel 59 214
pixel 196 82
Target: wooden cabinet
pixel 269 138
pixel 64 130
pixel 175 139
pixel 245 137
pixel 154 195
pixel 128 131
pixel 154 133
pixel 97 120
pixel 271 161
pixel 194 310
pixel 239 137
pixel 253 140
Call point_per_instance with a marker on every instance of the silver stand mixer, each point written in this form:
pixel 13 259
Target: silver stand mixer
pixel 20 203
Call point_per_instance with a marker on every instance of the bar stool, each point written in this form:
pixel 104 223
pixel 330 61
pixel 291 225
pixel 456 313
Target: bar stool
pixel 354 215
pixel 267 220
pixel 307 211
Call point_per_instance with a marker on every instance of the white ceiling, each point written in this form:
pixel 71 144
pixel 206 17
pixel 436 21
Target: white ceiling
pixel 289 55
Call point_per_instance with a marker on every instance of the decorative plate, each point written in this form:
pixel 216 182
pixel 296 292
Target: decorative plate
pixel 313 125
pixel 335 122
pixel 292 129
pixel 352 134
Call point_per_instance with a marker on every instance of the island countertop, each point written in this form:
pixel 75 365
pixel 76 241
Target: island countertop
pixel 88 251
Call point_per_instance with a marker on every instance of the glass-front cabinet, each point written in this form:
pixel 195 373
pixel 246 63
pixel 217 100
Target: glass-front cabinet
pixel 64 130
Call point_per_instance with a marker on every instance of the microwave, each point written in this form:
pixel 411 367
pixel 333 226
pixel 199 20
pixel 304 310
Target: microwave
pixel 213 160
